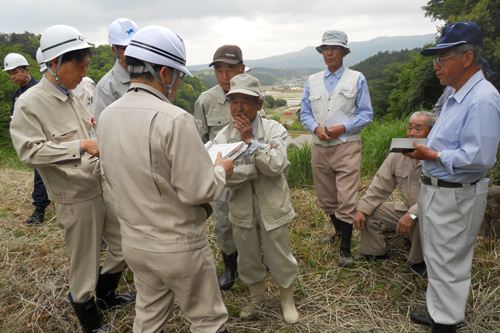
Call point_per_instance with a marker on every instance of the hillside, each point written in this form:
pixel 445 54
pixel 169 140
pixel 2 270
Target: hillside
pixel 310 58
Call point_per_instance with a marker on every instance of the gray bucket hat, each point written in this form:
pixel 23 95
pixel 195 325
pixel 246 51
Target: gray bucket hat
pixel 334 37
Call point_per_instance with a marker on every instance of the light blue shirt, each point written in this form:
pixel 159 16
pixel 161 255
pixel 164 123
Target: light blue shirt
pixel 363 114
pixel 467 133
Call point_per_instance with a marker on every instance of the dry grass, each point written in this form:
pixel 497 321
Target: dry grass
pixel 34 270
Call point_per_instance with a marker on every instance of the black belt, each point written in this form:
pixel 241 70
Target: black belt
pixel 441 183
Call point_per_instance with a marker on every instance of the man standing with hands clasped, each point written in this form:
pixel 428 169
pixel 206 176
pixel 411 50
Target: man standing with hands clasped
pixel 460 150
pixel 336 163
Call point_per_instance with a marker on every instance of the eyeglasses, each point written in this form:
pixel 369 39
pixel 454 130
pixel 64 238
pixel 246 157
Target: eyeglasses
pixel 327 48
pixel 439 61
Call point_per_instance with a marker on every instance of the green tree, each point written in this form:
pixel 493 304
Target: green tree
pixel 270 101
pixel 280 102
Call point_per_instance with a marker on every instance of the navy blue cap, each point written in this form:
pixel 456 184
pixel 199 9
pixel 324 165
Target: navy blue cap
pixel 486 67
pixel 454 34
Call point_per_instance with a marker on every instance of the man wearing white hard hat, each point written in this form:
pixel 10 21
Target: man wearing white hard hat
pixel 163 179
pixel 341 96
pixel 17 67
pixel 84 90
pixel 51 131
pixel 115 83
pixel 260 205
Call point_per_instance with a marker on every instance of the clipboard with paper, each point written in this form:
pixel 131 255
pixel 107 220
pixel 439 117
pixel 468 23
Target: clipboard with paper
pixel 232 150
pixel 337 117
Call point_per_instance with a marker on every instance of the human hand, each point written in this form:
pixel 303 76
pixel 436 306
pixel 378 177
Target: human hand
pixel 244 126
pixel 90 147
pixel 321 133
pixel 422 152
pixel 335 131
pixel 405 224
pixel 359 220
pixel 227 164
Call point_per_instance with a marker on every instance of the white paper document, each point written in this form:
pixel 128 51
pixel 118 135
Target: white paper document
pixel 232 150
pixel 337 118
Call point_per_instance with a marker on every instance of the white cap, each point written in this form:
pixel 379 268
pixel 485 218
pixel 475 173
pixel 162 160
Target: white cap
pixel 60 39
pixel 120 31
pixel 159 46
pixel 39 59
pixel 14 60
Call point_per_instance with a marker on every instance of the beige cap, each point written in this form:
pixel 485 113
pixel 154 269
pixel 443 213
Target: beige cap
pixel 245 84
pixel 230 54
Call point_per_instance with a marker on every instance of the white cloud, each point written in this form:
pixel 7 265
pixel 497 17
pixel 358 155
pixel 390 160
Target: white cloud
pixel 262 28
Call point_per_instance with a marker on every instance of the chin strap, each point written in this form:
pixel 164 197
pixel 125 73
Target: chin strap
pixel 27 79
pixel 49 68
pixel 148 68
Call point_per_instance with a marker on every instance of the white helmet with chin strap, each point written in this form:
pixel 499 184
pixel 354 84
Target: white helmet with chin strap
pixel 39 59
pixel 15 60
pixel 156 45
pixel 58 40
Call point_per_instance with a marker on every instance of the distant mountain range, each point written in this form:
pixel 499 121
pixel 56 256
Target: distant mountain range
pixel 310 58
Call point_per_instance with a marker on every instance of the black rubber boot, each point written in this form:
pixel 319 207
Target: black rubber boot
pixel 37 216
pixel 105 292
pixel 226 279
pixel 88 317
pixel 345 257
pixel 440 328
pixel 337 224
pixel 421 318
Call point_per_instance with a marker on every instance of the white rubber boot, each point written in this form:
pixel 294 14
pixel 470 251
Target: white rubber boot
pixel 290 314
pixel 257 291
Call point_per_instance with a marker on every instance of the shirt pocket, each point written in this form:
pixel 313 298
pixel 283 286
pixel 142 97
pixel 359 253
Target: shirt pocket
pixel 445 139
pixel 402 179
pixel 63 132
pixel 218 120
pixel 348 92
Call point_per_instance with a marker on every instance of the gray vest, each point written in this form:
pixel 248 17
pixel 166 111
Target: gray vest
pixel 343 97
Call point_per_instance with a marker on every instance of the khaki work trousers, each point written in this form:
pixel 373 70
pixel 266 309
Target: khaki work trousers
pixel 372 238
pixel 85 224
pixel 223 228
pixel 277 251
pixel 450 219
pixel 336 172
pixel 190 276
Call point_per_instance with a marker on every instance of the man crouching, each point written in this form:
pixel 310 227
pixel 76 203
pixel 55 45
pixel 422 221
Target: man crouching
pixel 259 198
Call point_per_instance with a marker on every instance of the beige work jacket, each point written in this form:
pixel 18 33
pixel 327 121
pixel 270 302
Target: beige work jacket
pixel 212 112
pixel 160 172
pixel 46 131
pixel 270 184
pixel 397 170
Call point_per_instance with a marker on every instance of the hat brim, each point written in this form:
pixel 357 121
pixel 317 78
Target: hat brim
pixel 489 71
pixel 242 91
pixel 227 61
pixel 318 48
pixel 434 50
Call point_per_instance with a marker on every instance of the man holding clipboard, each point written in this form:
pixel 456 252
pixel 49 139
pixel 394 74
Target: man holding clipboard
pixel 336 149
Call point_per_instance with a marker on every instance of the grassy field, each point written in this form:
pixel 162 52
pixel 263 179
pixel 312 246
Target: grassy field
pixel 34 269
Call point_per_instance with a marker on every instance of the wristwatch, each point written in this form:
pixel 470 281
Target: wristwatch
pixel 438 159
pixel 413 216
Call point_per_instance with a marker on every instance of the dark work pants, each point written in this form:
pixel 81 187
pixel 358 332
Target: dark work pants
pixel 40 196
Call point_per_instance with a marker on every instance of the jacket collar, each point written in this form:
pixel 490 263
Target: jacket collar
pixel 220 96
pixel 121 73
pixel 53 90
pixel 150 89
pixel 233 132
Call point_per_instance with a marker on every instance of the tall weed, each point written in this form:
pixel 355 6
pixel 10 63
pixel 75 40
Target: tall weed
pixel 375 138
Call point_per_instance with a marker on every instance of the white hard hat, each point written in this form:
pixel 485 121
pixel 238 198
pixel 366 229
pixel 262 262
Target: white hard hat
pixel 120 31
pixel 60 39
pixel 159 46
pixel 14 60
pixel 39 59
